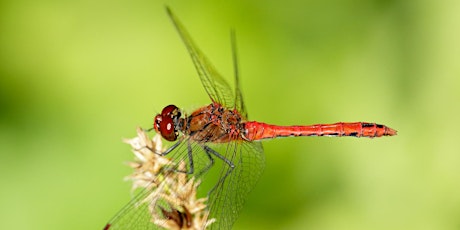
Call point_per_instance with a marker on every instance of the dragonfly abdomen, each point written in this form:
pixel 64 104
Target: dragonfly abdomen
pixel 257 130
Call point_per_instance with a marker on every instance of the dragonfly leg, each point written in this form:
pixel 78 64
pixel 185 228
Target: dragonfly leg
pixel 191 162
pixel 211 163
pixel 190 158
pixel 148 130
pixel 189 154
pixel 213 152
pixel 168 150
pixel 210 151
pixel 160 153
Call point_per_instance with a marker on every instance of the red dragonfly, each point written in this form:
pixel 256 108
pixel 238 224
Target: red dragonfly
pixel 222 131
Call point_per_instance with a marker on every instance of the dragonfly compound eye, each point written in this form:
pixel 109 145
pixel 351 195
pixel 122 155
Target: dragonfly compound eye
pixel 165 123
pixel 170 111
pixel 167 129
pixel 156 123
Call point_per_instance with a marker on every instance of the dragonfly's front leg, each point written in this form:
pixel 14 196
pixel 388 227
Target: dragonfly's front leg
pixel 189 154
pixel 160 153
pixel 174 146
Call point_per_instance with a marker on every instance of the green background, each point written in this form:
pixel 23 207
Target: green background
pixel 78 76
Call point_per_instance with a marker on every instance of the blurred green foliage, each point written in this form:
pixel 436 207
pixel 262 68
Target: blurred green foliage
pixel 78 76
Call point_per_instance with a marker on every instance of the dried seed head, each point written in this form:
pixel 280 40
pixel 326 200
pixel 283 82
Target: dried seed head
pixel 172 202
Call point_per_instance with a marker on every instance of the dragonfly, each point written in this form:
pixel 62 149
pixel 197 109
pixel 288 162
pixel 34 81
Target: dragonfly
pixel 221 131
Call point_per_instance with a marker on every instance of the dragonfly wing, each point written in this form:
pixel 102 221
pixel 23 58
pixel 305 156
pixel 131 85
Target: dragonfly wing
pixel 145 208
pixel 239 102
pixel 228 198
pixel 217 88
pixel 134 215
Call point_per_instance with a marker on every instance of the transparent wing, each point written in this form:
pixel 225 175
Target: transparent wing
pixel 239 102
pixel 159 189
pixel 217 88
pixel 225 187
pixel 227 200
pixel 134 215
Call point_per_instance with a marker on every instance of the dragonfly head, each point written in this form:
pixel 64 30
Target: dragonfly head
pixel 167 122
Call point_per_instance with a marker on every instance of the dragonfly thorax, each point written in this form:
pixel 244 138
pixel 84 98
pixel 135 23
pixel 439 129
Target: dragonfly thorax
pixel 213 123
